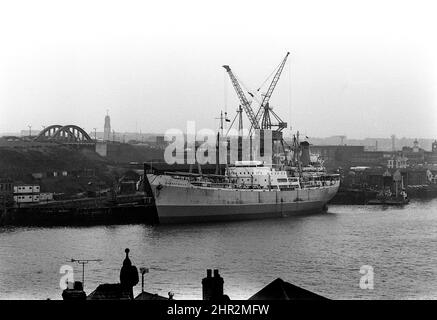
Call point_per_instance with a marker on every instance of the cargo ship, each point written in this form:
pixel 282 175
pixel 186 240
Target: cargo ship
pixel 247 190
pixel 250 188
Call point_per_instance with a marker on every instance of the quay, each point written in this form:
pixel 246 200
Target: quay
pixel 124 209
pixel 353 196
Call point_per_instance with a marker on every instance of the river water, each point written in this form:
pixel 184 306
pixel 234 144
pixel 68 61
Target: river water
pixel 322 252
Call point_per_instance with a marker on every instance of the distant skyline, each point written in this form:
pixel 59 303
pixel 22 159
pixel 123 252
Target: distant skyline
pixel 360 69
pixel 25 132
pixel 383 142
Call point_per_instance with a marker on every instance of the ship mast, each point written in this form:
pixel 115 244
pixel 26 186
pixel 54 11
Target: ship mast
pixel 222 119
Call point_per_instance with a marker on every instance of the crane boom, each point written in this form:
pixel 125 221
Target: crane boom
pixel 272 86
pixel 244 102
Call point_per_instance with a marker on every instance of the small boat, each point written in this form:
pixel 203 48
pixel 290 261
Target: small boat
pixel 389 198
pixel 389 201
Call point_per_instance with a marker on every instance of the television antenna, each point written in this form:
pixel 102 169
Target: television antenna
pixel 83 262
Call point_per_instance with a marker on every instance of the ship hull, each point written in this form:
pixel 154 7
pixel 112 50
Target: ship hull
pixel 181 204
pixel 207 213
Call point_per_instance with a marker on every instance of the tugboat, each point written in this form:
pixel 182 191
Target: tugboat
pixel 386 197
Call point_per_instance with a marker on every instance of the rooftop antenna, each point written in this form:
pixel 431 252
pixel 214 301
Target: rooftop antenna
pixel 83 262
pixel 143 271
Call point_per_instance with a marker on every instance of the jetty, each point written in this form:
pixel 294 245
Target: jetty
pixel 122 209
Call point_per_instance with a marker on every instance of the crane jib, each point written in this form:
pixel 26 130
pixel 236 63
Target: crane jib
pixel 244 102
pixel 271 87
pixel 264 109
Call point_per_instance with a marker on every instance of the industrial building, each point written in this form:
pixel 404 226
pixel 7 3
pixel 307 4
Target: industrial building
pixel 345 156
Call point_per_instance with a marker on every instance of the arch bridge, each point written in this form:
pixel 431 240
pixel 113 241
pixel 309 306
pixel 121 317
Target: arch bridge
pixel 66 134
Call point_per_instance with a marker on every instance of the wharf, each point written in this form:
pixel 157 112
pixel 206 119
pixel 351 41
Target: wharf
pixel 353 196
pixel 123 209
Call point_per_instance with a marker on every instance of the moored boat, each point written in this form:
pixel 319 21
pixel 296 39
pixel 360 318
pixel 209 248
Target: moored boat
pixel 248 190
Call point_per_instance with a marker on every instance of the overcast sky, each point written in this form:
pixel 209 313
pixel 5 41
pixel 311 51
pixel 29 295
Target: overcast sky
pixel 363 69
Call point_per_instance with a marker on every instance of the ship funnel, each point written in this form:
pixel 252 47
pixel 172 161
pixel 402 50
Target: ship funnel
pixel 305 155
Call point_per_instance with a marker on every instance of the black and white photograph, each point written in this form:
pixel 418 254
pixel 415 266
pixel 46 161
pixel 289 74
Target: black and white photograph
pixel 223 154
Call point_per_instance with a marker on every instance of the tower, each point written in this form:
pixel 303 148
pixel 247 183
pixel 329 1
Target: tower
pixel 107 128
pixel 393 142
pixel 416 145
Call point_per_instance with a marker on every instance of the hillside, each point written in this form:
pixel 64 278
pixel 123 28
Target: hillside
pixel 37 164
pixel 16 162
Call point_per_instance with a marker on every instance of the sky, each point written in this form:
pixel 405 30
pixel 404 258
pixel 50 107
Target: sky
pixel 356 68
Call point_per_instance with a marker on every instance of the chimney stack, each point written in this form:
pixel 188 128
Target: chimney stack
pixel 212 287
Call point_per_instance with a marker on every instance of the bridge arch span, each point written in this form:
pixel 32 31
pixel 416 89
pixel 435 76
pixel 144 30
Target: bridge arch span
pixel 72 133
pixel 68 133
pixel 48 132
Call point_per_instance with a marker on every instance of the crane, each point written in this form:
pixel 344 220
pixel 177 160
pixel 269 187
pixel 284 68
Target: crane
pixel 262 120
pixel 243 100
pixel 264 110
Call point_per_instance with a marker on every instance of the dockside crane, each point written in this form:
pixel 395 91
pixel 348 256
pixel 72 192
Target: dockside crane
pixel 245 104
pixel 262 120
pixel 264 110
